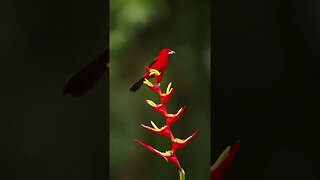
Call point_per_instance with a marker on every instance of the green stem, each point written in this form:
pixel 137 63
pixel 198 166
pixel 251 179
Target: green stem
pixel 182 174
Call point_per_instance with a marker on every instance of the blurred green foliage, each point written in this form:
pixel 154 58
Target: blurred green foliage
pixel 139 29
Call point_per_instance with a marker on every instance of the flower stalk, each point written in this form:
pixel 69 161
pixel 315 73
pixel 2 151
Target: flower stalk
pixel 182 175
pixel 170 119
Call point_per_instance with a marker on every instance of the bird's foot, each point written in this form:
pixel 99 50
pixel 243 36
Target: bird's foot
pixel 157 86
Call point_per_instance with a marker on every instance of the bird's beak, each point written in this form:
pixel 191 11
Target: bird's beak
pixel 172 52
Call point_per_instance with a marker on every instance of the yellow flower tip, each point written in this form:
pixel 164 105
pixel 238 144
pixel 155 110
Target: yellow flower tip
pixel 147 82
pixel 168 153
pixel 221 158
pixel 181 109
pixel 169 88
pixel 155 72
pixel 178 140
pixel 154 125
pixel 172 115
pixel 151 103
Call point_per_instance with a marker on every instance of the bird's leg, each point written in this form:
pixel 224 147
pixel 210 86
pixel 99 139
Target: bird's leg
pixel 158 80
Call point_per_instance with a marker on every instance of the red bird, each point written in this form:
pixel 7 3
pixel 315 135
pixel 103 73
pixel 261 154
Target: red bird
pixel 160 64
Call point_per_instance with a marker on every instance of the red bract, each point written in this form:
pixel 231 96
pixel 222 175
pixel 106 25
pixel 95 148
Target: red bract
pixel 154 88
pixel 173 118
pixel 165 131
pixel 165 97
pixel 154 73
pixel 160 108
pixel 221 165
pixel 169 156
pixel 180 143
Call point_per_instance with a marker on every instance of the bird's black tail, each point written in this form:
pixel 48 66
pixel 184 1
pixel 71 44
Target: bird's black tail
pixel 84 79
pixel 136 85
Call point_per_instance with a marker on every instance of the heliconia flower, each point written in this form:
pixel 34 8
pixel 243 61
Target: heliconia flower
pixel 221 165
pixel 164 131
pixel 169 156
pixel 153 71
pixel 154 88
pixel 165 97
pixel 160 108
pixel 172 118
pixel 180 143
pixel 173 159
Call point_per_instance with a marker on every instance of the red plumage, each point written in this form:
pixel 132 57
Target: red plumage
pixel 160 64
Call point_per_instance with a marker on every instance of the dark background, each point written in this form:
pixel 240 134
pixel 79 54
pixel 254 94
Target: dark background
pixel 266 87
pixel 43 134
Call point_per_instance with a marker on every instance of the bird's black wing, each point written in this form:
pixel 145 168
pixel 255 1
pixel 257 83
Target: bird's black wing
pixel 139 83
pixel 154 61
